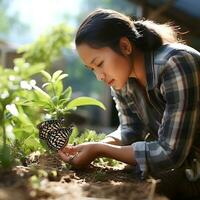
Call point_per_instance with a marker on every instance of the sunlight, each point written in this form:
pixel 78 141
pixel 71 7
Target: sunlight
pixel 42 14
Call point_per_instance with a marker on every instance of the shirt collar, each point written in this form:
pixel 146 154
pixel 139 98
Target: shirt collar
pixel 150 70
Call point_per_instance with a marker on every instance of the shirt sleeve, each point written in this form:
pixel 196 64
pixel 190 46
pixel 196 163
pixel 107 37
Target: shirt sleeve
pixel 180 85
pixel 131 128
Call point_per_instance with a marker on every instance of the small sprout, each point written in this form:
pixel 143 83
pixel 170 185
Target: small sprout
pixel 35 182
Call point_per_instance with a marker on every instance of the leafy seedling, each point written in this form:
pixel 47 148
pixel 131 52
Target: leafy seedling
pixel 57 102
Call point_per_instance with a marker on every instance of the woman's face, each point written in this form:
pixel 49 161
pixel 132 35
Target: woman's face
pixel 108 66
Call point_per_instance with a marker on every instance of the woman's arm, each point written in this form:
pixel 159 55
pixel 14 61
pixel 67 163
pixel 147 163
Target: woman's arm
pixel 122 153
pixel 85 153
pixel 111 140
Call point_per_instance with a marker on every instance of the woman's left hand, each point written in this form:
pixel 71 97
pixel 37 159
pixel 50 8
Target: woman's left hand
pixel 80 155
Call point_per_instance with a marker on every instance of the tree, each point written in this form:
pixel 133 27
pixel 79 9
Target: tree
pixel 9 21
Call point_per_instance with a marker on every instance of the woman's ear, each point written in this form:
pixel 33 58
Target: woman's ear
pixel 125 46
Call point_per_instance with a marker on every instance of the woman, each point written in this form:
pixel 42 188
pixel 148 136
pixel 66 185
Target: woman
pixel 155 83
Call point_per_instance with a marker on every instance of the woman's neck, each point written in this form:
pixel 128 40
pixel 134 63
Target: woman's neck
pixel 138 70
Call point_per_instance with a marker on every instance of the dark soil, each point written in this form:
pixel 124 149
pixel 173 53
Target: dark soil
pixel 46 177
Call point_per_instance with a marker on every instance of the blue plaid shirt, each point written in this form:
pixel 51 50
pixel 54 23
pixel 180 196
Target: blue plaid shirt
pixel 168 110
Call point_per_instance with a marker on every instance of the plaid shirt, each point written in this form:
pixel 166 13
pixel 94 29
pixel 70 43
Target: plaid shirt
pixel 168 110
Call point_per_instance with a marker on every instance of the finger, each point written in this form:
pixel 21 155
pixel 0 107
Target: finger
pixel 63 156
pixel 69 150
pixel 78 159
pixel 77 148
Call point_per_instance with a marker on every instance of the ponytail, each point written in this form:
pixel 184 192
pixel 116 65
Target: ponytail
pixel 154 35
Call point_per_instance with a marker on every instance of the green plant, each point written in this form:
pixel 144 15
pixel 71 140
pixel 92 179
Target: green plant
pixel 56 101
pixel 48 46
pixel 56 104
pixel 86 136
pixel 14 85
pixel 23 104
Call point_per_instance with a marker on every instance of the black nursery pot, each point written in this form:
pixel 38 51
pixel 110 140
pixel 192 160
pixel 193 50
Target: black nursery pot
pixel 54 133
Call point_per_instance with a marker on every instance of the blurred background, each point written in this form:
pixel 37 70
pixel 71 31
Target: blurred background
pixel 23 22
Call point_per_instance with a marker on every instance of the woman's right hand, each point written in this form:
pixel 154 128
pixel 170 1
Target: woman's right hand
pixel 80 155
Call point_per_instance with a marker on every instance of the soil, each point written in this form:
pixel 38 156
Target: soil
pixel 47 178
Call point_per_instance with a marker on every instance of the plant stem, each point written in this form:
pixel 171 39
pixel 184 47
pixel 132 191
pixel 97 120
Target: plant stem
pixel 54 92
pixel 4 135
pixel 2 123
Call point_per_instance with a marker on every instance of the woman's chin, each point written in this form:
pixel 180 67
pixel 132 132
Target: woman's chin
pixel 117 87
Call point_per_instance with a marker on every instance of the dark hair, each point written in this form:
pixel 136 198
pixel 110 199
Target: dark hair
pixel 105 27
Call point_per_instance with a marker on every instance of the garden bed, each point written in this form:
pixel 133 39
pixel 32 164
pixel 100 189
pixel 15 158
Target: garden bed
pixel 45 177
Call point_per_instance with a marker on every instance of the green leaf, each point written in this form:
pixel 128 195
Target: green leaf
pixel 58 85
pixel 56 75
pixel 55 99
pixel 46 75
pixel 23 117
pixel 6 159
pixel 62 76
pixel 83 101
pixel 42 94
pixel 32 142
pixel 66 94
pixel 62 102
pixel 19 62
pixel 43 104
pixel 45 85
pixel 34 69
pixel 20 135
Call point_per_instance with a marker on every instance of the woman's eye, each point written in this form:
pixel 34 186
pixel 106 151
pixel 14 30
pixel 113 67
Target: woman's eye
pixel 90 68
pixel 100 64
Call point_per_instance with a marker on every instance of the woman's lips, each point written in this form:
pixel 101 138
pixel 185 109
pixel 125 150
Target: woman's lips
pixel 111 82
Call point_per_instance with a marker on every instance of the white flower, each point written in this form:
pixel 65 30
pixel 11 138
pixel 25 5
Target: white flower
pixel 32 82
pixel 12 78
pixel 9 132
pixel 12 109
pixel 4 95
pixel 25 85
pixel 48 116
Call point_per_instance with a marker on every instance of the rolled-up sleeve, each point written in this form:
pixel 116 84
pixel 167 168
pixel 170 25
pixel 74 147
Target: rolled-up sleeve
pixel 131 127
pixel 180 83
